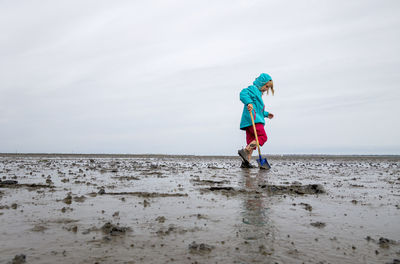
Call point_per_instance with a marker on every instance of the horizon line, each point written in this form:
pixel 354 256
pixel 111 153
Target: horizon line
pixel 191 155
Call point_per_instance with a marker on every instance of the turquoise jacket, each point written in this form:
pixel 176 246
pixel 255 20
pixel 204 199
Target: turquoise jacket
pixel 252 95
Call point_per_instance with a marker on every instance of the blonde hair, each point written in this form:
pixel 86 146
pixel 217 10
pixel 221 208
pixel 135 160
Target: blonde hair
pixel 272 87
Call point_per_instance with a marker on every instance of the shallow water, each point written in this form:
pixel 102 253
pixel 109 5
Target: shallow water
pixel 168 202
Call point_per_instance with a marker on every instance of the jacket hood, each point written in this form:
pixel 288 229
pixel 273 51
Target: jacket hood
pixel 261 80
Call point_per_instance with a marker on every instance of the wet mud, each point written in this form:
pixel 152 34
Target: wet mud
pixel 145 194
pixel 14 185
pixel 188 209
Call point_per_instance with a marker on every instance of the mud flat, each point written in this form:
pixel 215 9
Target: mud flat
pixel 188 209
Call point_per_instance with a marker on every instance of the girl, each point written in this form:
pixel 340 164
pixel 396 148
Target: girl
pixel 251 98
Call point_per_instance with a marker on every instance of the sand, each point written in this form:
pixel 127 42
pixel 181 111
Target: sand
pixel 188 209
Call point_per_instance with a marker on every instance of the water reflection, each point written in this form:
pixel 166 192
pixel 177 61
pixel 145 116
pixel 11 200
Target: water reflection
pixel 254 210
pixel 256 229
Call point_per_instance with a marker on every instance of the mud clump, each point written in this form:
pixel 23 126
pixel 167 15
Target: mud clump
pixel 113 230
pixel 318 224
pixel 166 232
pixel 8 182
pixel 382 242
pixel 200 249
pixel 49 181
pixel 146 203
pixel 306 206
pixel 72 228
pixel 80 199
pixel 160 219
pixel 270 189
pixel 175 230
pixel 200 216
pixel 127 178
pixel 262 250
pixel 294 189
pixel 68 199
pixel 197 181
pixel 39 228
pixel 385 242
pixel 227 190
pixel 224 188
pixel 15 185
pixel 148 194
pixel 65 209
pixel 18 259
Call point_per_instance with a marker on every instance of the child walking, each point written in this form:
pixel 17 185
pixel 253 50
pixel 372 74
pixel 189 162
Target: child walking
pixel 253 102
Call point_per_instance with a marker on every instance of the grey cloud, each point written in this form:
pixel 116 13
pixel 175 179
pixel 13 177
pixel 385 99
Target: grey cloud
pixel 164 76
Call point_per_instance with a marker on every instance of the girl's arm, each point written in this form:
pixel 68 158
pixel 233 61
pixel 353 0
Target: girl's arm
pixel 245 96
pixel 268 114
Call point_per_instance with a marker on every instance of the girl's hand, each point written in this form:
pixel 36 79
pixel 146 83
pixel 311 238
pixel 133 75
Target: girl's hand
pixel 270 116
pixel 250 107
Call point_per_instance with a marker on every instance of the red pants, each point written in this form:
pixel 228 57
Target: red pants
pixel 262 136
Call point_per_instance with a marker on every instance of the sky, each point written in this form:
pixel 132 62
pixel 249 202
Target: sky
pixel 164 77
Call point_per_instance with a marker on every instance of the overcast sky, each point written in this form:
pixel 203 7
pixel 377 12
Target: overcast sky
pixel 165 76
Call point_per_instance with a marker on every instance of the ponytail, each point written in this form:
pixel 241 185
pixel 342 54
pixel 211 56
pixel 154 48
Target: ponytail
pixel 272 88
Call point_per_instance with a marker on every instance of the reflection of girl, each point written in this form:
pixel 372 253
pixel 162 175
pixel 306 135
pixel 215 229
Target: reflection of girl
pixel 251 98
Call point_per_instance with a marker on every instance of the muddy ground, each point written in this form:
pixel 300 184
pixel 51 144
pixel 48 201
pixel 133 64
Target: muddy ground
pixel 187 209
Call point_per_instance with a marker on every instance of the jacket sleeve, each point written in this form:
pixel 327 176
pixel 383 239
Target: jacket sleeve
pixel 266 114
pixel 245 96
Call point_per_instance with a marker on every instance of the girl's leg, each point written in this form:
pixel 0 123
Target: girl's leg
pixel 250 147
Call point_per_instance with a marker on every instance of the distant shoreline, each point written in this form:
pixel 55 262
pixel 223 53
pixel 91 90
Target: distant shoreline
pixel 273 156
